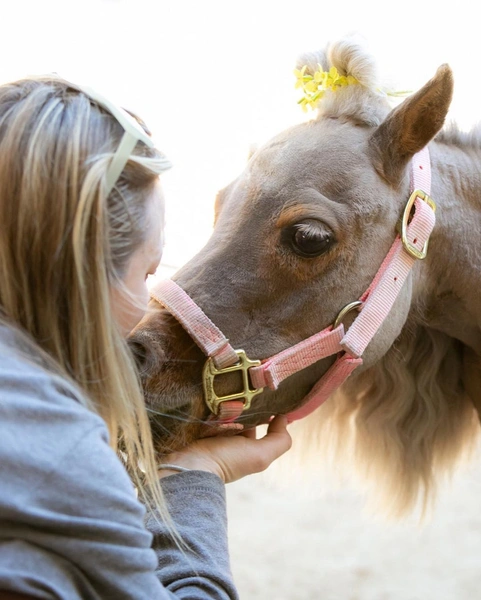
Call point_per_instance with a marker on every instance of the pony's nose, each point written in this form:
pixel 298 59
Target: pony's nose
pixel 145 351
pixel 140 352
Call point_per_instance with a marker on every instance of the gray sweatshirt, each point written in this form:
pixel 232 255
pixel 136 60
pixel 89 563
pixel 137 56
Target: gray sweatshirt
pixel 70 524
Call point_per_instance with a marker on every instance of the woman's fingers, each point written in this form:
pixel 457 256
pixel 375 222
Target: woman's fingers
pixel 278 425
pixel 275 443
pixel 255 455
pixel 236 456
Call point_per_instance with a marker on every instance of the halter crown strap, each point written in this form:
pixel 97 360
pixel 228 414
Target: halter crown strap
pixel 379 298
pixel 381 295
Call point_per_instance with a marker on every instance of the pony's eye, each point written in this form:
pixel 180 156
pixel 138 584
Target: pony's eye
pixel 309 239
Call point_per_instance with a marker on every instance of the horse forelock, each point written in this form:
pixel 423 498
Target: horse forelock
pixel 362 103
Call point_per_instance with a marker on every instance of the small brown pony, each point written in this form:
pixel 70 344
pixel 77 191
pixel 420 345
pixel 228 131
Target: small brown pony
pixel 410 412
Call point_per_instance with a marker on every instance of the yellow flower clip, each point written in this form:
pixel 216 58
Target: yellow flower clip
pixel 315 86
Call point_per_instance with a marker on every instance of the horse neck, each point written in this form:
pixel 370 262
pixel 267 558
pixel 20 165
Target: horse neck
pixel 446 287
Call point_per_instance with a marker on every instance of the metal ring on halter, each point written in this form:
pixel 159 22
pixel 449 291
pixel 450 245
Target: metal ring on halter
pixel 403 225
pixel 344 311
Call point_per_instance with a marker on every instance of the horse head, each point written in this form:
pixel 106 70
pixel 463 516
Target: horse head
pixel 301 233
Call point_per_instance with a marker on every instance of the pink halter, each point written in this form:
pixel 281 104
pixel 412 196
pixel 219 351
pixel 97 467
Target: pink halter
pixel 374 306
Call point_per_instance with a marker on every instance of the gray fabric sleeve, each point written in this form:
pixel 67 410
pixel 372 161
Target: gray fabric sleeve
pixel 77 531
pixel 70 524
pixel 196 502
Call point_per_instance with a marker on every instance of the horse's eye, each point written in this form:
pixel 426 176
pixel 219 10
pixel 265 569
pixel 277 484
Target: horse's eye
pixel 309 239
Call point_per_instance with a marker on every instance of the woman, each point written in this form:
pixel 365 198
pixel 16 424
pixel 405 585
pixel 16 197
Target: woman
pixel 81 213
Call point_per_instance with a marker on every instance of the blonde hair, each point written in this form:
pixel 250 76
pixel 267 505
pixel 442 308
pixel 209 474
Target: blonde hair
pixel 66 243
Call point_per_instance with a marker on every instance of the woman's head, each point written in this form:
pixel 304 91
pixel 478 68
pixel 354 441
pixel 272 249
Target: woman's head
pixel 80 211
pixel 65 238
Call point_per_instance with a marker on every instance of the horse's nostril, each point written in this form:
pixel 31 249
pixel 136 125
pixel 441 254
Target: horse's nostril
pixel 140 353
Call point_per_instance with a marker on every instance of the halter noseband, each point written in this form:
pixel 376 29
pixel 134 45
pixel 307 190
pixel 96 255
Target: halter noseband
pixel 374 306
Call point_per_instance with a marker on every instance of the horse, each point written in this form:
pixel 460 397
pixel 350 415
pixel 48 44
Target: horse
pixel 305 231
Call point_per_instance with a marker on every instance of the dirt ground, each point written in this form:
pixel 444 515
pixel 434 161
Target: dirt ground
pixel 297 542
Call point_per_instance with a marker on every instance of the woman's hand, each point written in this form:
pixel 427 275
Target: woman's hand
pixel 234 457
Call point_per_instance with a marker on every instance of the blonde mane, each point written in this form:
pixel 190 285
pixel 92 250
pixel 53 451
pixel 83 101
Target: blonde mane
pixel 406 421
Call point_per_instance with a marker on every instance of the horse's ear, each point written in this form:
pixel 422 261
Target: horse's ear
pixel 411 125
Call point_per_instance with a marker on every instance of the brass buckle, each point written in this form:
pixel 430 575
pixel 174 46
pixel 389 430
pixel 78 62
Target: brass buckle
pixel 211 371
pixel 403 225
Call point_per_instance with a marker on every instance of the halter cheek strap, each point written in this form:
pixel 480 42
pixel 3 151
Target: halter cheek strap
pixel 374 305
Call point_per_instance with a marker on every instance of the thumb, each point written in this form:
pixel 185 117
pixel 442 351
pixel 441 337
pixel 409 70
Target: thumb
pixel 277 440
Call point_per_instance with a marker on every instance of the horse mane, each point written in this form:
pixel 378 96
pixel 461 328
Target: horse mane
pixel 453 136
pixel 402 423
